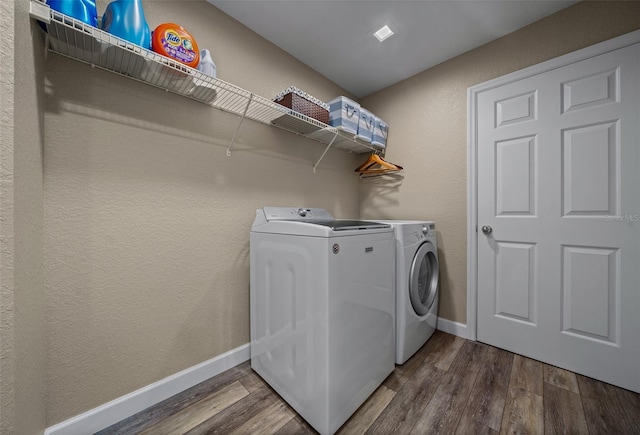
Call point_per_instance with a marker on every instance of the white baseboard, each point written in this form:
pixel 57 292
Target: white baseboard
pixel 451 327
pixel 112 412
pixel 105 415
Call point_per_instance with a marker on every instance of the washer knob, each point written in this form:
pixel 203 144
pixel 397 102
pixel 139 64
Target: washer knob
pixel 425 230
pixel 302 212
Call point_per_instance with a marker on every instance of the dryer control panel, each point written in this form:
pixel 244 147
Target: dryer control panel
pixel 416 232
pixel 429 230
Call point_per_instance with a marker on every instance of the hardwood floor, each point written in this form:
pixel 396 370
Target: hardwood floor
pixel 450 386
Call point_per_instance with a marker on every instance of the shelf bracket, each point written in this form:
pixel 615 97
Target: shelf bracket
pixel 325 152
pixel 235 135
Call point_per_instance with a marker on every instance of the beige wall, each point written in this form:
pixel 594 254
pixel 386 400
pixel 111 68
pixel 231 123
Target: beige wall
pixel 147 220
pixel 22 349
pixel 427 115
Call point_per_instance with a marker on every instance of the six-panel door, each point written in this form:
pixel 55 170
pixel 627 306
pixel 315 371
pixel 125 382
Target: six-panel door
pixel 559 185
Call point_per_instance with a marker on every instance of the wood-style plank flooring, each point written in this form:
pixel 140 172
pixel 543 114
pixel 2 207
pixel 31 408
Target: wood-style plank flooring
pixel 450 386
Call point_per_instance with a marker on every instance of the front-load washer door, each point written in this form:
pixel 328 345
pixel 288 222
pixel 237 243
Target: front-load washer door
pixel 423 281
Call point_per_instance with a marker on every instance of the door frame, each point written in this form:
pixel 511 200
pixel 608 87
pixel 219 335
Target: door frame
pixel 472 150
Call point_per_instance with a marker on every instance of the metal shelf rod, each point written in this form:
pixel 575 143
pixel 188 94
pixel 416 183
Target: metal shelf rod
pixel 325 152
pixel 235 135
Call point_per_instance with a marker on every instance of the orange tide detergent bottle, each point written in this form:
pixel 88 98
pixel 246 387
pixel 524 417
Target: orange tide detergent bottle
pixel 174 41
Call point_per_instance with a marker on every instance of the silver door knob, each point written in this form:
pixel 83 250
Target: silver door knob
pixel 487 229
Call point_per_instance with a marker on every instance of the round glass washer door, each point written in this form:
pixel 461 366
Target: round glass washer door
pixel 423 281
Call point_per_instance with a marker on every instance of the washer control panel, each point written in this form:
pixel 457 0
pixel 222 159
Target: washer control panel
pixel 296 213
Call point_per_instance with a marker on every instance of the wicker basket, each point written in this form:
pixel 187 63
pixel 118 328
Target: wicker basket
pixel 301 105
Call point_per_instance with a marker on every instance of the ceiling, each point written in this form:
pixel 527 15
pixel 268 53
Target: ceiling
pixel 335 37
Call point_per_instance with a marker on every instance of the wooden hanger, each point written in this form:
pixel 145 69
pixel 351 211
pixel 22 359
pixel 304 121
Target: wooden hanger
pixel 384 167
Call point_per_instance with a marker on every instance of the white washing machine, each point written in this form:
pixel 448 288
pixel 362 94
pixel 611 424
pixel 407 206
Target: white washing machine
pixel 417 273
pixel 322 304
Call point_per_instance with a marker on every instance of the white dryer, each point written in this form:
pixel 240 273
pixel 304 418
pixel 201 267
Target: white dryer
pixel 417 272
pixel 322 298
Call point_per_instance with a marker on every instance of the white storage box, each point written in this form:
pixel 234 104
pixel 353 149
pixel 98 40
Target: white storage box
pixel 380 133
pixel 365 125
pixel 344 114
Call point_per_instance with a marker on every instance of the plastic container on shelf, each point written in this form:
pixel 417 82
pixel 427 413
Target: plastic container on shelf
pixel 84 13
pixel 206 65
pixel 174 41
pixel 125 19
pixel 205 90
pixel 81 10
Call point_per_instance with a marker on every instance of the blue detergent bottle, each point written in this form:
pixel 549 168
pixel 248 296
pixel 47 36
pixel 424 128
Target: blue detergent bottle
pixel 81 10
pixel 125 19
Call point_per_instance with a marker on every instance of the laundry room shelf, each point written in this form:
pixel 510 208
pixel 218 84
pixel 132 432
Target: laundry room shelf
pixel 77 40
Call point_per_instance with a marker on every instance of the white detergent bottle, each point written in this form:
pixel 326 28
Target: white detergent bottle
pixel 204 90
pixel 206 65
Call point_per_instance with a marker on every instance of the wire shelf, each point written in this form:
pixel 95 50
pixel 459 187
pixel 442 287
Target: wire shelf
pixel 77 40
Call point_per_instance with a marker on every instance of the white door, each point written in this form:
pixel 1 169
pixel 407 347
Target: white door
pixel 559 196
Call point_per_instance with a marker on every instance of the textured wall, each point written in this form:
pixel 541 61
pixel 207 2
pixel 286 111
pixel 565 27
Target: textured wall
pixel 7 287
pixel 147 220
pixel 427 115
pixel 22 357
